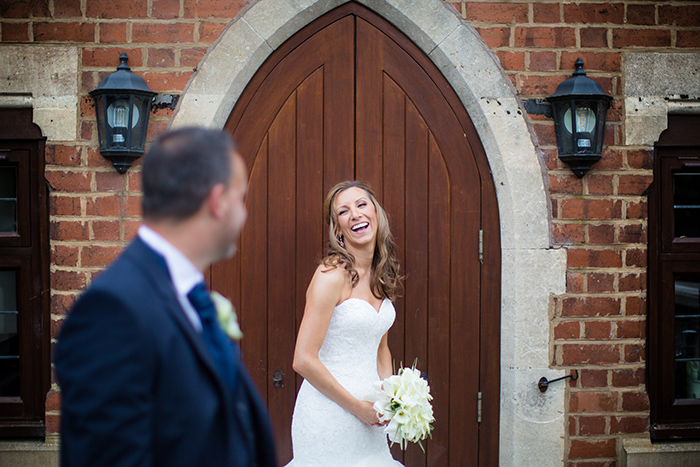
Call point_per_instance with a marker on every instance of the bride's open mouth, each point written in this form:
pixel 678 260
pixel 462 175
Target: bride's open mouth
pixel 361 227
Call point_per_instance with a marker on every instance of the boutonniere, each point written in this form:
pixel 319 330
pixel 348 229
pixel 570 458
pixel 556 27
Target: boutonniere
pixel 226 315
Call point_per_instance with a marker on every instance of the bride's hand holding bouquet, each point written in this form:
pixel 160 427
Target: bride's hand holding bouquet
pixel 364 411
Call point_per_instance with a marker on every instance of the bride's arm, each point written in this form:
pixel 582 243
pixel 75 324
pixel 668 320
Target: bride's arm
pixel 384 358
pixel 324 293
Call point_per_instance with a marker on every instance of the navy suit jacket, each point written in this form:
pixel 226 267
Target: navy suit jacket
pixel 138 385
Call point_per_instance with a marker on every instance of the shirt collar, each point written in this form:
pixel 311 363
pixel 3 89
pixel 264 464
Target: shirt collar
pixel 183 272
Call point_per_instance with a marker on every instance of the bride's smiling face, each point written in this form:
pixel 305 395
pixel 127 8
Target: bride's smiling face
pixel 357 217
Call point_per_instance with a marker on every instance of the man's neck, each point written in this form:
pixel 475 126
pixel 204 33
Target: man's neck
pixel 187 237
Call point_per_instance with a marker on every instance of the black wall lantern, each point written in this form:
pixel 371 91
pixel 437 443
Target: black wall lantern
pixel 579 108
pixel 122 104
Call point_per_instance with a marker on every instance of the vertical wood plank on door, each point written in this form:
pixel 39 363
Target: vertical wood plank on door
pixel 391 192
pixel 252 306
pixel 281 267
pixel 309 189
pixel 490 328
pixel 339 102
pixel 416 228
pixel 369 115
pixel 439 303
pixel 393 189
pixel 464 325
pixel 416 218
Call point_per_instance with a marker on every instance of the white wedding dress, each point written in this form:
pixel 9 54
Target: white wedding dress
pixel 323 433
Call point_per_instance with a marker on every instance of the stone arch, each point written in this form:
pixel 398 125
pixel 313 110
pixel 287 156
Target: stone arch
pixel 527 417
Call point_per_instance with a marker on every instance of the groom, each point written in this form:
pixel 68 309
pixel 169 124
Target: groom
pixel 148 377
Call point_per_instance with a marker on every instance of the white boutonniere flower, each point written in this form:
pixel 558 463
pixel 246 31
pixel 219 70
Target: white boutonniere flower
pixel 226 315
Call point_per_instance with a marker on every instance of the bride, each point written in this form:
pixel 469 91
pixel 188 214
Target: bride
pixel 342 347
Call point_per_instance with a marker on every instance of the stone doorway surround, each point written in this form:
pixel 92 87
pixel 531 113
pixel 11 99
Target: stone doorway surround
pixel 531 423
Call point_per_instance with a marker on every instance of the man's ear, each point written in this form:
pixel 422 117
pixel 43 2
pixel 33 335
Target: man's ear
pixel 216 201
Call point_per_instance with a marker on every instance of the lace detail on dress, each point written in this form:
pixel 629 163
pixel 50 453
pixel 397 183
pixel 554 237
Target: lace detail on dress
pixel 323 433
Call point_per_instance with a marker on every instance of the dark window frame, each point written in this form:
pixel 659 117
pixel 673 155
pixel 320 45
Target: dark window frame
pixel 19 159
pixel 670 259
pixel 27 252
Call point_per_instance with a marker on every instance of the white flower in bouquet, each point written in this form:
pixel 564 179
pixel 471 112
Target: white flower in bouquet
pixel 404 401
pixel 226 316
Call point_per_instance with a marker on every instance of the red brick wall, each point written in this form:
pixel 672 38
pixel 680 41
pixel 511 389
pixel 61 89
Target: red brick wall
pixel 598 325
pixel 94 211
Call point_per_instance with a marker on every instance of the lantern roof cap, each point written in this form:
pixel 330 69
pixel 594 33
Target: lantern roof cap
pixel 123 80
pixel 579 85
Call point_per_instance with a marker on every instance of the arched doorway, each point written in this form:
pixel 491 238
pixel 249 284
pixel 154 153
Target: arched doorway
pixel 492 103
pixel 350 97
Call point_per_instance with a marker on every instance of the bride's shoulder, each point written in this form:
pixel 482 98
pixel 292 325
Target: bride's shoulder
pixel 330 280
pixel 330 275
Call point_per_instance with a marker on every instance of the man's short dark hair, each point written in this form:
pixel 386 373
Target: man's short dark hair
pixel 180 169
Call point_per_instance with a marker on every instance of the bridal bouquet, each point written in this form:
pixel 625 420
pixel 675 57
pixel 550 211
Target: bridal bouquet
pixel 404 401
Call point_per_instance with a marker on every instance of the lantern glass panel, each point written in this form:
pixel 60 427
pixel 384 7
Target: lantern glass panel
pixel 585 127
pixel 118 111
pixel 118 114
pixel 600 125
pixel 101 122
pixel 563 123
pixel 141 106
pixel 585 120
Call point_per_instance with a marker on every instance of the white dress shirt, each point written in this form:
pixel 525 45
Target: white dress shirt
pixel 183 273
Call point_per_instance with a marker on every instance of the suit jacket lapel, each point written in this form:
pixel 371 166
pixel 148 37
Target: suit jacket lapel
pixel 155 267
pixel 154 264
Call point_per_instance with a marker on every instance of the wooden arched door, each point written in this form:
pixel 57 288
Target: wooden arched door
pixel 350 97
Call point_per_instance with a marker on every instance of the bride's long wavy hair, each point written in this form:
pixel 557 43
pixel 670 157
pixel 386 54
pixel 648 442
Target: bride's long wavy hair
pixel 385 281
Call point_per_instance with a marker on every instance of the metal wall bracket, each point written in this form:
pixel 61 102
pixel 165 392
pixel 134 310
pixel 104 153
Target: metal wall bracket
pixel 543 384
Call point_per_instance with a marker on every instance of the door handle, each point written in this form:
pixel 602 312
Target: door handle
pixel 277 379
